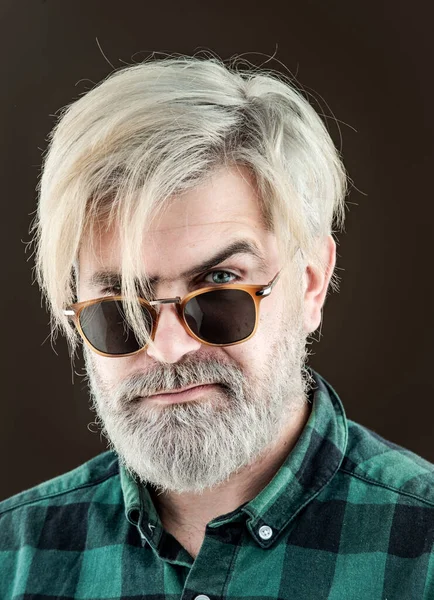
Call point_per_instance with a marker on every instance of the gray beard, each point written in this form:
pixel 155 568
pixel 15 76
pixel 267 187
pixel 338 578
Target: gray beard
pixel 196 445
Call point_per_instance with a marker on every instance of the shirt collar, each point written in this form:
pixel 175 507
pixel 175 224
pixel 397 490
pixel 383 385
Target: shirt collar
pixel 140 509
pixel 309 467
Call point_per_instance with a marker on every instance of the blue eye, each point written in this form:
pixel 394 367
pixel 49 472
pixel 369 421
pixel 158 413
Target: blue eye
pixel 220 277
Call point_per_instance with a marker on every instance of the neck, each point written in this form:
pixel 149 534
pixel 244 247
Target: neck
pixel 187 514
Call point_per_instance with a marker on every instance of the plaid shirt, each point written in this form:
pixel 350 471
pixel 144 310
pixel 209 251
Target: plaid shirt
pixel 348 516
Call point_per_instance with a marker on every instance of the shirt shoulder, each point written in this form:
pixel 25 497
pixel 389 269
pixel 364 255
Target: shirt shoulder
pixel 66 487
pixel 377 461
pixel 44 529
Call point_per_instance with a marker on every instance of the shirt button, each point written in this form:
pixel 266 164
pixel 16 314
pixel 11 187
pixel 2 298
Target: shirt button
pixel 202 597
pixel 265 532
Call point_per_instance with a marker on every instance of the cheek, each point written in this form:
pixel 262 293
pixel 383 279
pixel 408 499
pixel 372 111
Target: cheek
pixel 109 370
pixel 270 318
pixel 251 355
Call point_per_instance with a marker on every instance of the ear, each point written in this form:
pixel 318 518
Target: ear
pixel 316 282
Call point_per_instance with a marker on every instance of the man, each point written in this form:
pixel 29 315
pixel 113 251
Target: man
pixel 184 233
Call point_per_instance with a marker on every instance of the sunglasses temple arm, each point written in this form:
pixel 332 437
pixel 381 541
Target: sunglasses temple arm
pixel 266 290
pixel 273 282
pixel 275 279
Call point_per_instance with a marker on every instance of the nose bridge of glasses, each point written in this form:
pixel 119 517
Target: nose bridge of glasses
pixel 169 323
pixel 176 300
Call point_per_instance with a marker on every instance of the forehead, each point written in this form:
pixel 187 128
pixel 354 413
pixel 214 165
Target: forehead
pixel 228 201
pixel 201 221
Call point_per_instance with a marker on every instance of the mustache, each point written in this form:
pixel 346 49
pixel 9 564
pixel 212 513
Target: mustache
pixel 179 375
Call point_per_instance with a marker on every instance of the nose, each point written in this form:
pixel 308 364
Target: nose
pixel 171 340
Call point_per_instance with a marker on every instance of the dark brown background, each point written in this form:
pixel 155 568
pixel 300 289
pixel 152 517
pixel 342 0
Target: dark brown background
pixel 371 62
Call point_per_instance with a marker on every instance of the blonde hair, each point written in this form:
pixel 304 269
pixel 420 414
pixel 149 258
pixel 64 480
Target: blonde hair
pixel 150 131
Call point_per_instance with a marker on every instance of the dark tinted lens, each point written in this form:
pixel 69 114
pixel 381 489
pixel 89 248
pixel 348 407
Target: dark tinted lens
pixel 221 316
pixel 106 328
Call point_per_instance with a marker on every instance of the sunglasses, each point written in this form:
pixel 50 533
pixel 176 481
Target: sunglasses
pixel 221 316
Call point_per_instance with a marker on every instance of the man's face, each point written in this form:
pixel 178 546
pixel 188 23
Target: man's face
pixel 192 441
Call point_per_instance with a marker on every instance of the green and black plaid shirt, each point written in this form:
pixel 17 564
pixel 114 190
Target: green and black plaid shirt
pixel 349 516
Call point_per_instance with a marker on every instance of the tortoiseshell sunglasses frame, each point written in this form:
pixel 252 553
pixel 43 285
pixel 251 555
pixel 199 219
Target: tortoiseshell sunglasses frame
pixel 257 293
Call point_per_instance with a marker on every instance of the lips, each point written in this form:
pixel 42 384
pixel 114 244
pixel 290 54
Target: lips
pixel 181 390
pixel 182 394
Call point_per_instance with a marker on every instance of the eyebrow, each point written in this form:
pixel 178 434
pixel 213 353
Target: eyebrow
pixel 107 277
